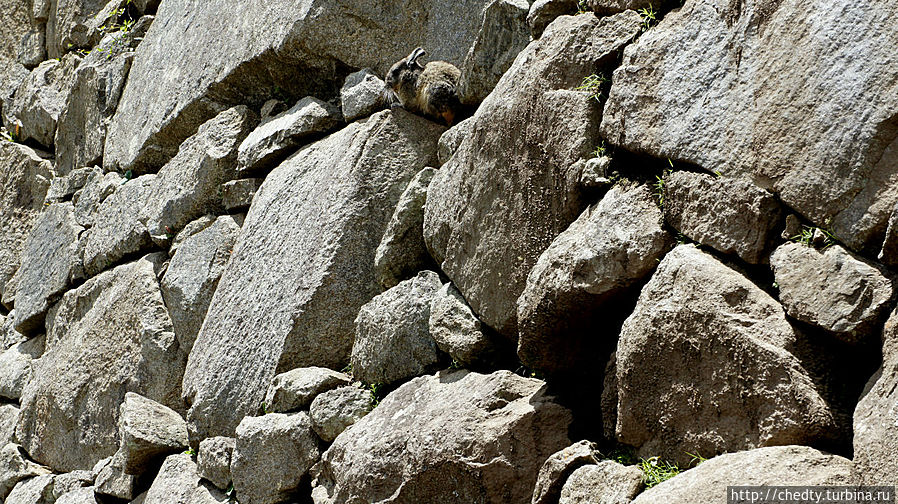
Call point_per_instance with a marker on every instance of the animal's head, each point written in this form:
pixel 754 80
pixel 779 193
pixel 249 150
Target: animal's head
pixel 404 72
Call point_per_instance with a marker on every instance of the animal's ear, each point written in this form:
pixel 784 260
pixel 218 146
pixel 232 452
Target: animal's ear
pixel 412 60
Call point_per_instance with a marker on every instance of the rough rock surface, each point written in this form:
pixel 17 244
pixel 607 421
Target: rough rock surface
pixel 64 187
pixel 451 140
pixel 889 253
pixel 829 148
pixel 609 248
pixel 730 215
pixel 15 467
pixel 392 335
pixel 178 482
pixel 112 480
pixel 9 416
pixel 274 309
pixel 457 331
pixel 543 12
pixel 558 467
pixel 73 23
pixel 148 430
pixel 604 483
pixel 193 275
pixel 402 251
pixel 37 490
pixel 71 481
pixel 605 7
pixel 88 201
pixel 16 369
pixel 277 137
pixel 109 336
pixel 78 496
pixel 489 216
pixel 833 289
pixel 361 94
pixel 189 230
pixel 40 99
pixel 239 194
pixel 703 366
pixel 214 460
pixel 14 26
pixel 335 410
pixel 272 455
pixel 455 438
pixel 779 465
pixel 297 388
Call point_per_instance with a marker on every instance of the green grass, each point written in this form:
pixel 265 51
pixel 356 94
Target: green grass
pixel 594 85
pixel 581 7
pixel 656 471
pixel 649 17
pixel 806 237
pixel 600 150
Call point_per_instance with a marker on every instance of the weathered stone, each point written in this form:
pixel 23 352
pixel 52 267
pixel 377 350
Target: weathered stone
pixel 14 24
pixel 71 482
pixel 179 482
pixel 16 366
pixel 489 216
pixel 733 216
pixel 272 454
pixel 11 77
pixel 703 367
pixel 297 388
pixel 238 194
pixel 75 24
pixel 457 331
pixel 189 186
pixel 833 289
pixel 606 483
pixel 308 240
pixel 78 496
pixel 335 410
pixel 15 467
pixel 112 480
pixel 148 430
pixel 556 469
pixel 10 336
pixel 503 34
pixel 88 201
pixel 683 72
pixel 402 251
pixel 117 233
pixel 50 263
pixel 605 7
pixel 32 49
pixel 193 275
pixel 64 187
pixel 792 229
pixel 9 417
pixel 889 253
pixel 189 230
pixel 594 174
pixel 361 94
pixel 876 418
pixel 543 12
pixel 451 140
pixel 392 336
pixel 37 490
pixel 609 248
pixel 782 465
pixel 454 438
pixel 214 460
pixel 272 108
pixel 40 99
pixel 109 336
pixel 24 181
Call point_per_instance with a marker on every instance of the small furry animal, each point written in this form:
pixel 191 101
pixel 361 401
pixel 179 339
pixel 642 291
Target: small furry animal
pixel 431 90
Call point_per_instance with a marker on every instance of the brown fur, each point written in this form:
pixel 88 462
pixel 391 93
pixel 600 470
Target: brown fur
pixel 430 90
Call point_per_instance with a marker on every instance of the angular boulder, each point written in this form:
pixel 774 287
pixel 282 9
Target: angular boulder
pixel 703 366
pixel 15 23
pixel 213 460
pixel 607 482
pixel 88 201
pixel 335 410
pixel 238 194
pixel 297 388
pixel 543 12
pixel 455 438
pixel 558 467
pixel 84 495
pixel 37 490
pixel 458 332
pixel 71 481
pixel 74 24
pixel 9 417
pixel 489 216
pixel 392 335
pixel 302 266
pixel 179 482
pixel 609 248
pixel 691 68
pixel 16 368
pixel 15 467
pixel 111 479
pixel 39 100
pixel 361 94
pixel 148 430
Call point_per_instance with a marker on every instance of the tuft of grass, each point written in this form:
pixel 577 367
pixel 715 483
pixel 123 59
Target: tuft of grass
pixel 581 7
pixel 649 17
pixel 190 451
pixel 806 237
pixel 695 459
pixel 656 471
pixel 658 190
pixel 594 85
pixel 378 391
pixel 600 150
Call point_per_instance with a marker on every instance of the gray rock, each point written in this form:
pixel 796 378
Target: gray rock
pixel 10 336
pixel 454 438
pixel 698 330
pixel 16 366
pixel 272 455
pixel 556 469
pixel 32 49
pixel 361 94
pixel 489 216
pixel 9 417
pixel 40 99
pixel 238 194
pixel 273 140
pixel 117 232
pixel 392 336
pixel 11 77
pixel 503 34
pixel 682 72
pixel 37 490
pixel 733 216
pixel 335 410
pixel 112 480
pixel 595 172
pixel 272 108
pixel 451 140
pixel 189 186
pixel 179 482
pixel 833 289
pixel 297 388
pixel 88 201
pixel 72 482
pixel 148 430
pixel 242 62
pixel 147 6
pixel 15 22
pixel 15 467
pixel 543 12
pixel 605 7
pixel 782 465
pixel 308 240
pixel 604 483
pixel 189 230
pixel 74 24
pixel 875 425
pixel 792 229
pixel 78 496
pixel 889 253
pixel 402 251
pixel 193 275
pixel 64 187
pixel 214 460
pixel 50 263
pixel 609 248
pixel 26 179
pixel 109 336
pixel 457 331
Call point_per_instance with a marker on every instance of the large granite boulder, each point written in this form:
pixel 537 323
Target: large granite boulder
pixel 490 215
pixel 35 108
pixel 15 467
pixel 17 369
pixel 829 143
pixel 302 266
pixel 703 366
pixel 606 482
pixel 178 482
pixel 14 24
pixel 459 333
pixel 147 431
pixel 213 460
pixel 37 490
pixel 455 438
pixel 297 388
pixel 109 336
pixel 335 410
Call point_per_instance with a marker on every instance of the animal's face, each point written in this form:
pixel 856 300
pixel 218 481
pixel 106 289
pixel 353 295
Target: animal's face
pixel 403 74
